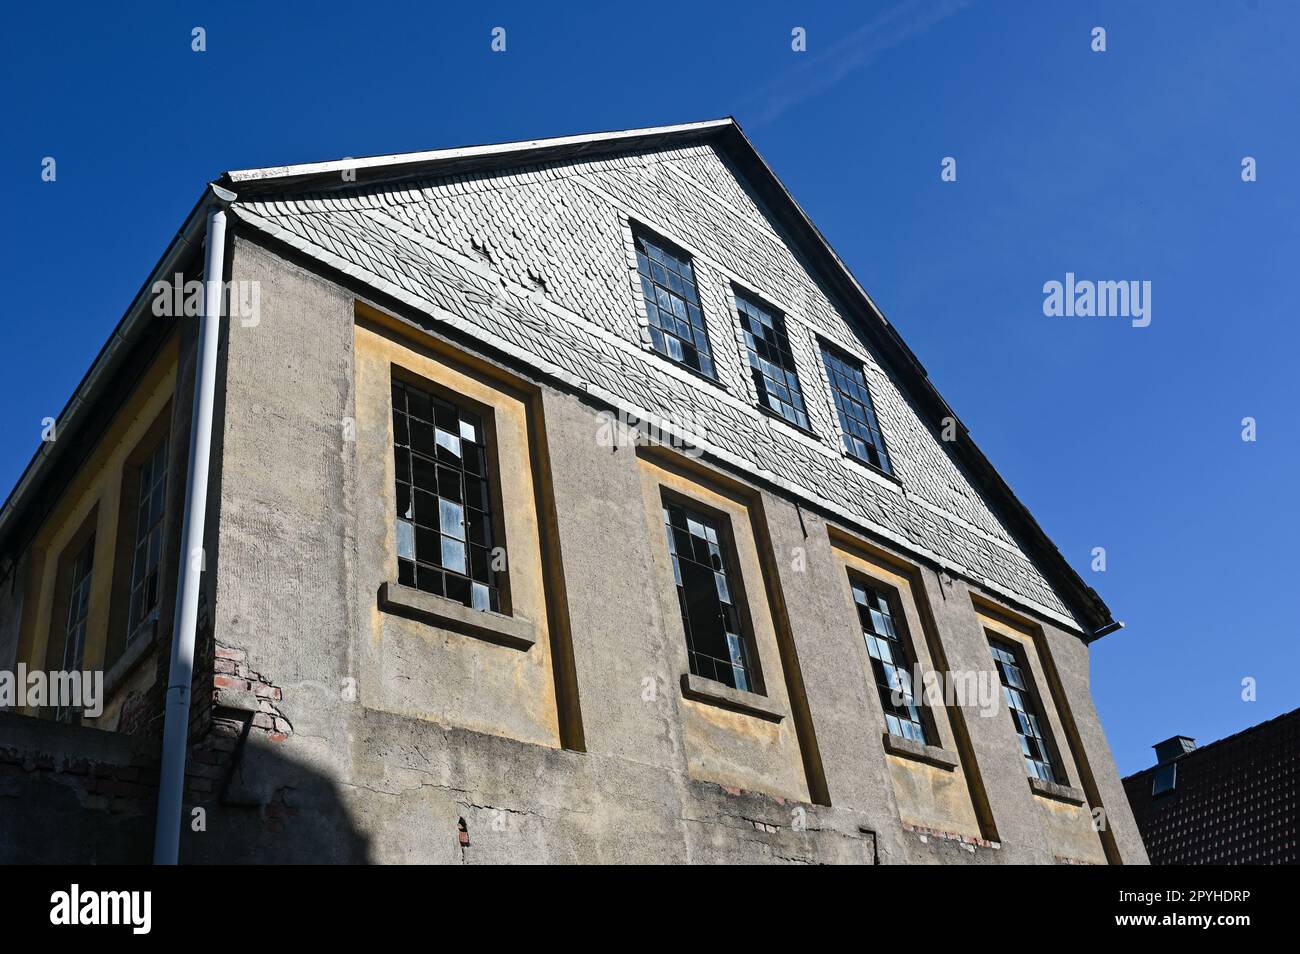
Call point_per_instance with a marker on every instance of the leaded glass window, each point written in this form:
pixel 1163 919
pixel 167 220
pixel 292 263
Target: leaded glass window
pixel 672 304
pixel 74 639
pixel 860 435
pixel 707 590
pixel 892 663
pixel 771 360
pixel 152 480
pixel 1024 714
pixel 445 539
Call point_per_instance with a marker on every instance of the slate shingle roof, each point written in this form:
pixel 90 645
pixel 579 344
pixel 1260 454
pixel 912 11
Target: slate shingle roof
pixel 534 259
pixel 526 247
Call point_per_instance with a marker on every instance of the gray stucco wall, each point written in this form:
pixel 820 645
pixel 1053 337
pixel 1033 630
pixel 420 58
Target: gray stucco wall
pixel 352 782
pixel 531 272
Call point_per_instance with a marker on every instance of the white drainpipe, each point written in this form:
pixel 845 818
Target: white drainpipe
pixel 176 728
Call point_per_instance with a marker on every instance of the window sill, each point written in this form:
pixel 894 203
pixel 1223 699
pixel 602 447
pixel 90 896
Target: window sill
pixel 781 418
pixel 918 752
pixel 871 468
pixel 126 663
pixel 649 348
pixel 406 601
pixel 724 697
pixel 1060 793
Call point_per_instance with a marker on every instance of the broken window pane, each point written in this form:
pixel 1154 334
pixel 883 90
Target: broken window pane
pixel 717 647
pixel 435 525
pixel 891 663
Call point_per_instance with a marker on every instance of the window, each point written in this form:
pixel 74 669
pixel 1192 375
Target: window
pixel 1164 779
pixel 892 663
pixel 148 542
pixel 771 361
pixel 707 592
pixel 859 428
pixel 74 642
pixel 1024 715
pixel 444 501
pixel 672 304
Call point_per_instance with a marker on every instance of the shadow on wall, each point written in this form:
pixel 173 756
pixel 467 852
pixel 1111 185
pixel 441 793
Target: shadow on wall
pixel 73 795
pixel 275 810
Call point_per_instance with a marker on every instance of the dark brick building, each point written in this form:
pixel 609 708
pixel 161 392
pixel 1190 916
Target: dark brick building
pixel 1233 802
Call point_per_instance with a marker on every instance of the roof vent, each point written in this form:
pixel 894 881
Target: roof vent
pixel 1170 749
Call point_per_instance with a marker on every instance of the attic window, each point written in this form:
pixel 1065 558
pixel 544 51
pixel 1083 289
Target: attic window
pixel 771 360
pixel 672 304
pixel 860 433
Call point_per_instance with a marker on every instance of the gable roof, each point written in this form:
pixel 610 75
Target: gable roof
pixel 266 184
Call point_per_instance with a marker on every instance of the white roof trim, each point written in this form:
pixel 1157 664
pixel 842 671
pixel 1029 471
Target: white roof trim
pixel 466 152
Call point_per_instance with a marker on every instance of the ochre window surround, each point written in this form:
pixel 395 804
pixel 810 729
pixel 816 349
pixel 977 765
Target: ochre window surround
pixel 1068 802
pixel 938 783
pixel 95 492
pixel 506 673
pixel 758 739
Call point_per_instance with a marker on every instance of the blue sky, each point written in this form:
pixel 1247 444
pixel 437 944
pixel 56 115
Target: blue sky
pixel 1117 165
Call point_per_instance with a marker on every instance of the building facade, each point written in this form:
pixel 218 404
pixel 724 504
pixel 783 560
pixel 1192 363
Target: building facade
pixel 1233 802
pixel 569 502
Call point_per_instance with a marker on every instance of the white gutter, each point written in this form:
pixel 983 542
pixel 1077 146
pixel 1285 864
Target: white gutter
pixel 176 727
